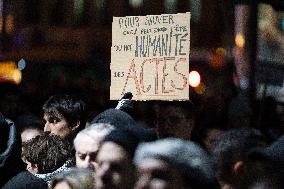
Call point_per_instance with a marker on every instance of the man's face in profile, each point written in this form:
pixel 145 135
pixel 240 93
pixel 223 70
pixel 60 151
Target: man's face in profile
pixel 57 125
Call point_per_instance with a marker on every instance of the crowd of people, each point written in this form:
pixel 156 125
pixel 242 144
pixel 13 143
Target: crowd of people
pixel 114 150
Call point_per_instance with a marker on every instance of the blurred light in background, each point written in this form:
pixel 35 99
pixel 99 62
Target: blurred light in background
pixel 221 51
pixel 16 76
pixel 7 65
pixel 1 24
pixel 200 89
pixel 136 3
pixel 217 58
pixel 9 24
pixel 9 72
pixel 282 24
pixel 194 79
pixel 240 40
pixel 21 64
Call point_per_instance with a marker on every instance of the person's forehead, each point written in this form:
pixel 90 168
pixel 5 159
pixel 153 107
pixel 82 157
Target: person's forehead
pixel 111 151
pixel 86 144
pixel 151 164
pixel 29 134
pixel 31 131
pixel 62 185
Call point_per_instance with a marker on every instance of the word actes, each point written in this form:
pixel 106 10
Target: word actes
pixel 156 76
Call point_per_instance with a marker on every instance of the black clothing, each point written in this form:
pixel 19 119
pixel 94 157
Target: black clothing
pixel 122 120
pixel 12 168
pixel 25 180
pixel 10 151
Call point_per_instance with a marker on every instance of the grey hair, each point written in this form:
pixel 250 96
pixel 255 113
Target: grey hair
pixel 76 179
pixel 95 131
pixel 187 156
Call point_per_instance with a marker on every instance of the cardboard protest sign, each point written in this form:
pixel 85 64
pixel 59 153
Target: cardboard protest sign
pixel 149 57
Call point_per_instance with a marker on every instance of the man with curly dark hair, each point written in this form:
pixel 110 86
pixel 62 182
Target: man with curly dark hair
pixel 47 155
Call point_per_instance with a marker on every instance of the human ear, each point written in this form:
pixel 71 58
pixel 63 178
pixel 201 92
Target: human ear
pixel 238 167
pixel 33 168
pixel 76 126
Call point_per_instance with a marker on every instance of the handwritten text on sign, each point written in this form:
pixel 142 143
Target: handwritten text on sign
pixel 149 57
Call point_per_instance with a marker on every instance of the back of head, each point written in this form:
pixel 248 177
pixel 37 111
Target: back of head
pixel 122 120
pixel 29 126
pixel 271 161
pixel 127 140
pixel 232 149
pixel 174 119
pixel 193 163
pixel 70 107
pixel 11 103
pixel 186 107
pixel 47 152
pixel 28 121
pixel 115 117
pixel 76 179
pixel 274 152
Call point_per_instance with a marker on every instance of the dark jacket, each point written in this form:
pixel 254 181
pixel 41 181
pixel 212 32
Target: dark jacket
pixel 12 168
pixel 25 180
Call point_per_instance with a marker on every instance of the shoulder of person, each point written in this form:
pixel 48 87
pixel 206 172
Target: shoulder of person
pixel 25 180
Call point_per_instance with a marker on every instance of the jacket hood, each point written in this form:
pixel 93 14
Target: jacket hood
pixel 10 151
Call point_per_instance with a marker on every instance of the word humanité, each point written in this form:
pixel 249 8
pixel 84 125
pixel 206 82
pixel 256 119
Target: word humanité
pixel 160 45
